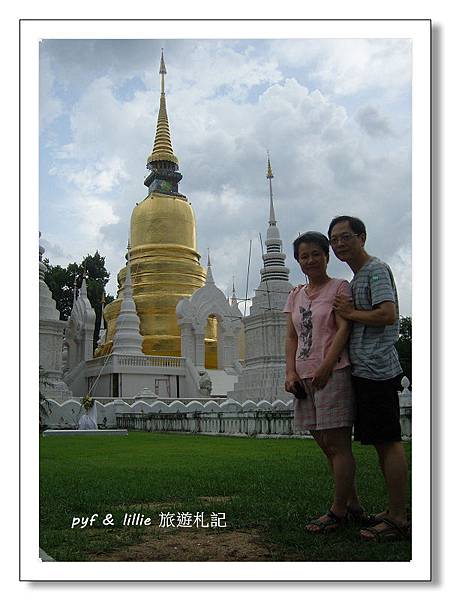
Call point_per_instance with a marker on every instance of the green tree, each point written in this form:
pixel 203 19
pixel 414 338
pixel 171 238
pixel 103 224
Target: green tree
pixel 404 346
pixel 61 280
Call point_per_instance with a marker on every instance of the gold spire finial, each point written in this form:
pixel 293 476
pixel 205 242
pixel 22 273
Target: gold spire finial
pixel 269 168
pixel 162 70
pixel 162 148
pixel 162 66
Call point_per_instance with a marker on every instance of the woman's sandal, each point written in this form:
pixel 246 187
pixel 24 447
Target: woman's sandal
pixel 393 532
pixel 330 524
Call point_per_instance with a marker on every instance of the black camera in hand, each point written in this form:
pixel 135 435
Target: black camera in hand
pixel 299 390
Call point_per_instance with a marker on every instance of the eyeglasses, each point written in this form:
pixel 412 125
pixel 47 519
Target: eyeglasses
pixel 345 237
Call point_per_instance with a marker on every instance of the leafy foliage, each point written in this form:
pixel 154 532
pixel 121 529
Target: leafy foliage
pixel 61 281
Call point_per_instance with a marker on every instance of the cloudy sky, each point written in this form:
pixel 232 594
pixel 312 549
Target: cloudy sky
pixel 334 114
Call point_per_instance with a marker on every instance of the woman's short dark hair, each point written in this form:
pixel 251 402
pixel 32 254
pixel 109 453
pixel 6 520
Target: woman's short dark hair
pixel 312 237
pixel 356 225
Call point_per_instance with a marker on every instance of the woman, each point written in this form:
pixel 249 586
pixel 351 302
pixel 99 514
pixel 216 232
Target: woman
pixel 317 361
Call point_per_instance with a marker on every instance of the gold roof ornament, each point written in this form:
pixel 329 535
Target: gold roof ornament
pixel 162 148
pixel 162 69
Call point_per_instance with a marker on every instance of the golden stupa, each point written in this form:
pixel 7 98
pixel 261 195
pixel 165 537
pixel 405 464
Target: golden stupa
pixel 164 260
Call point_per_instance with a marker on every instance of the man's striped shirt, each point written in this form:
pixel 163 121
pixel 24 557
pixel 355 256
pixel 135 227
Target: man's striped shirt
pixel 372 349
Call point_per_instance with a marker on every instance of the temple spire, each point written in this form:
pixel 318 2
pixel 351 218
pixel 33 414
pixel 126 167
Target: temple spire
pixel 74 289
pixel 103 309
pixel 162 148
pixel 209 275
pixel 83 289
pixel 162 70
pixel 269 176
pixel 269 167
pixel 274 267
pixel 234 301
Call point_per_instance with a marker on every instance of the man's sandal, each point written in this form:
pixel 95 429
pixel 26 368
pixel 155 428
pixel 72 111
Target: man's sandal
pixel 391 533
pixel 361 517
pixel 377 518
pixel 331 523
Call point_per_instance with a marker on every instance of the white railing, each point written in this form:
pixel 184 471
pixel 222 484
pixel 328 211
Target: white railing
pixel 251 423
pixel 185 415
pixel 152 361
pixel 126 360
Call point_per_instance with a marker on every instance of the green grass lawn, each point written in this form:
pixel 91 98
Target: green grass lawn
pixel 271 486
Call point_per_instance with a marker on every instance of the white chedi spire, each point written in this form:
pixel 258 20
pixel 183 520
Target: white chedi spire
pixel 234 301
pixel 127 338
pixel 209 276
pixel 274 267
pixel 83 289
pixel 103 329
pixel 47 306
pixel 74 289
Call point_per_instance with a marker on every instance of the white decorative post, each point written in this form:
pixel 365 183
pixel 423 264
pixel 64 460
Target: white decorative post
pixel 405 401
pixel 200 348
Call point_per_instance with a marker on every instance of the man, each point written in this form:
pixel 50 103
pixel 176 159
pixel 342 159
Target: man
pixel 375 368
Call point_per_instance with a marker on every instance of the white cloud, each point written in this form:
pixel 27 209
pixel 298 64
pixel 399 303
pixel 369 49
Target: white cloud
pixel 401 264
pixel 372 121
pixel 80 220
pixel 92 213
pixel 348 66
pixel 227 104
pixel 218 68
pixel 50 106
pixel 99 178
pixel 55 251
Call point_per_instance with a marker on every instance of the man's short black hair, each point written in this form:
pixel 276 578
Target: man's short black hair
pixel 312 237
pixel 356 225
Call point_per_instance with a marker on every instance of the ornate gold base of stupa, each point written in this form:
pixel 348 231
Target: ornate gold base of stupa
pixel 165 268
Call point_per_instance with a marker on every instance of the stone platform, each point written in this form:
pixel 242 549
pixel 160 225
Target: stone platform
pixel 90 432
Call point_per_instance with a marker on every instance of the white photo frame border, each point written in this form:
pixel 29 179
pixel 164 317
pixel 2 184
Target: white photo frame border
pixel 419 568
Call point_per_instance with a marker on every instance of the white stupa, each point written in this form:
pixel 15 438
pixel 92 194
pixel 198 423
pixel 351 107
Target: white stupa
pixel 265 328
pixel 51 330
pixel 127 338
